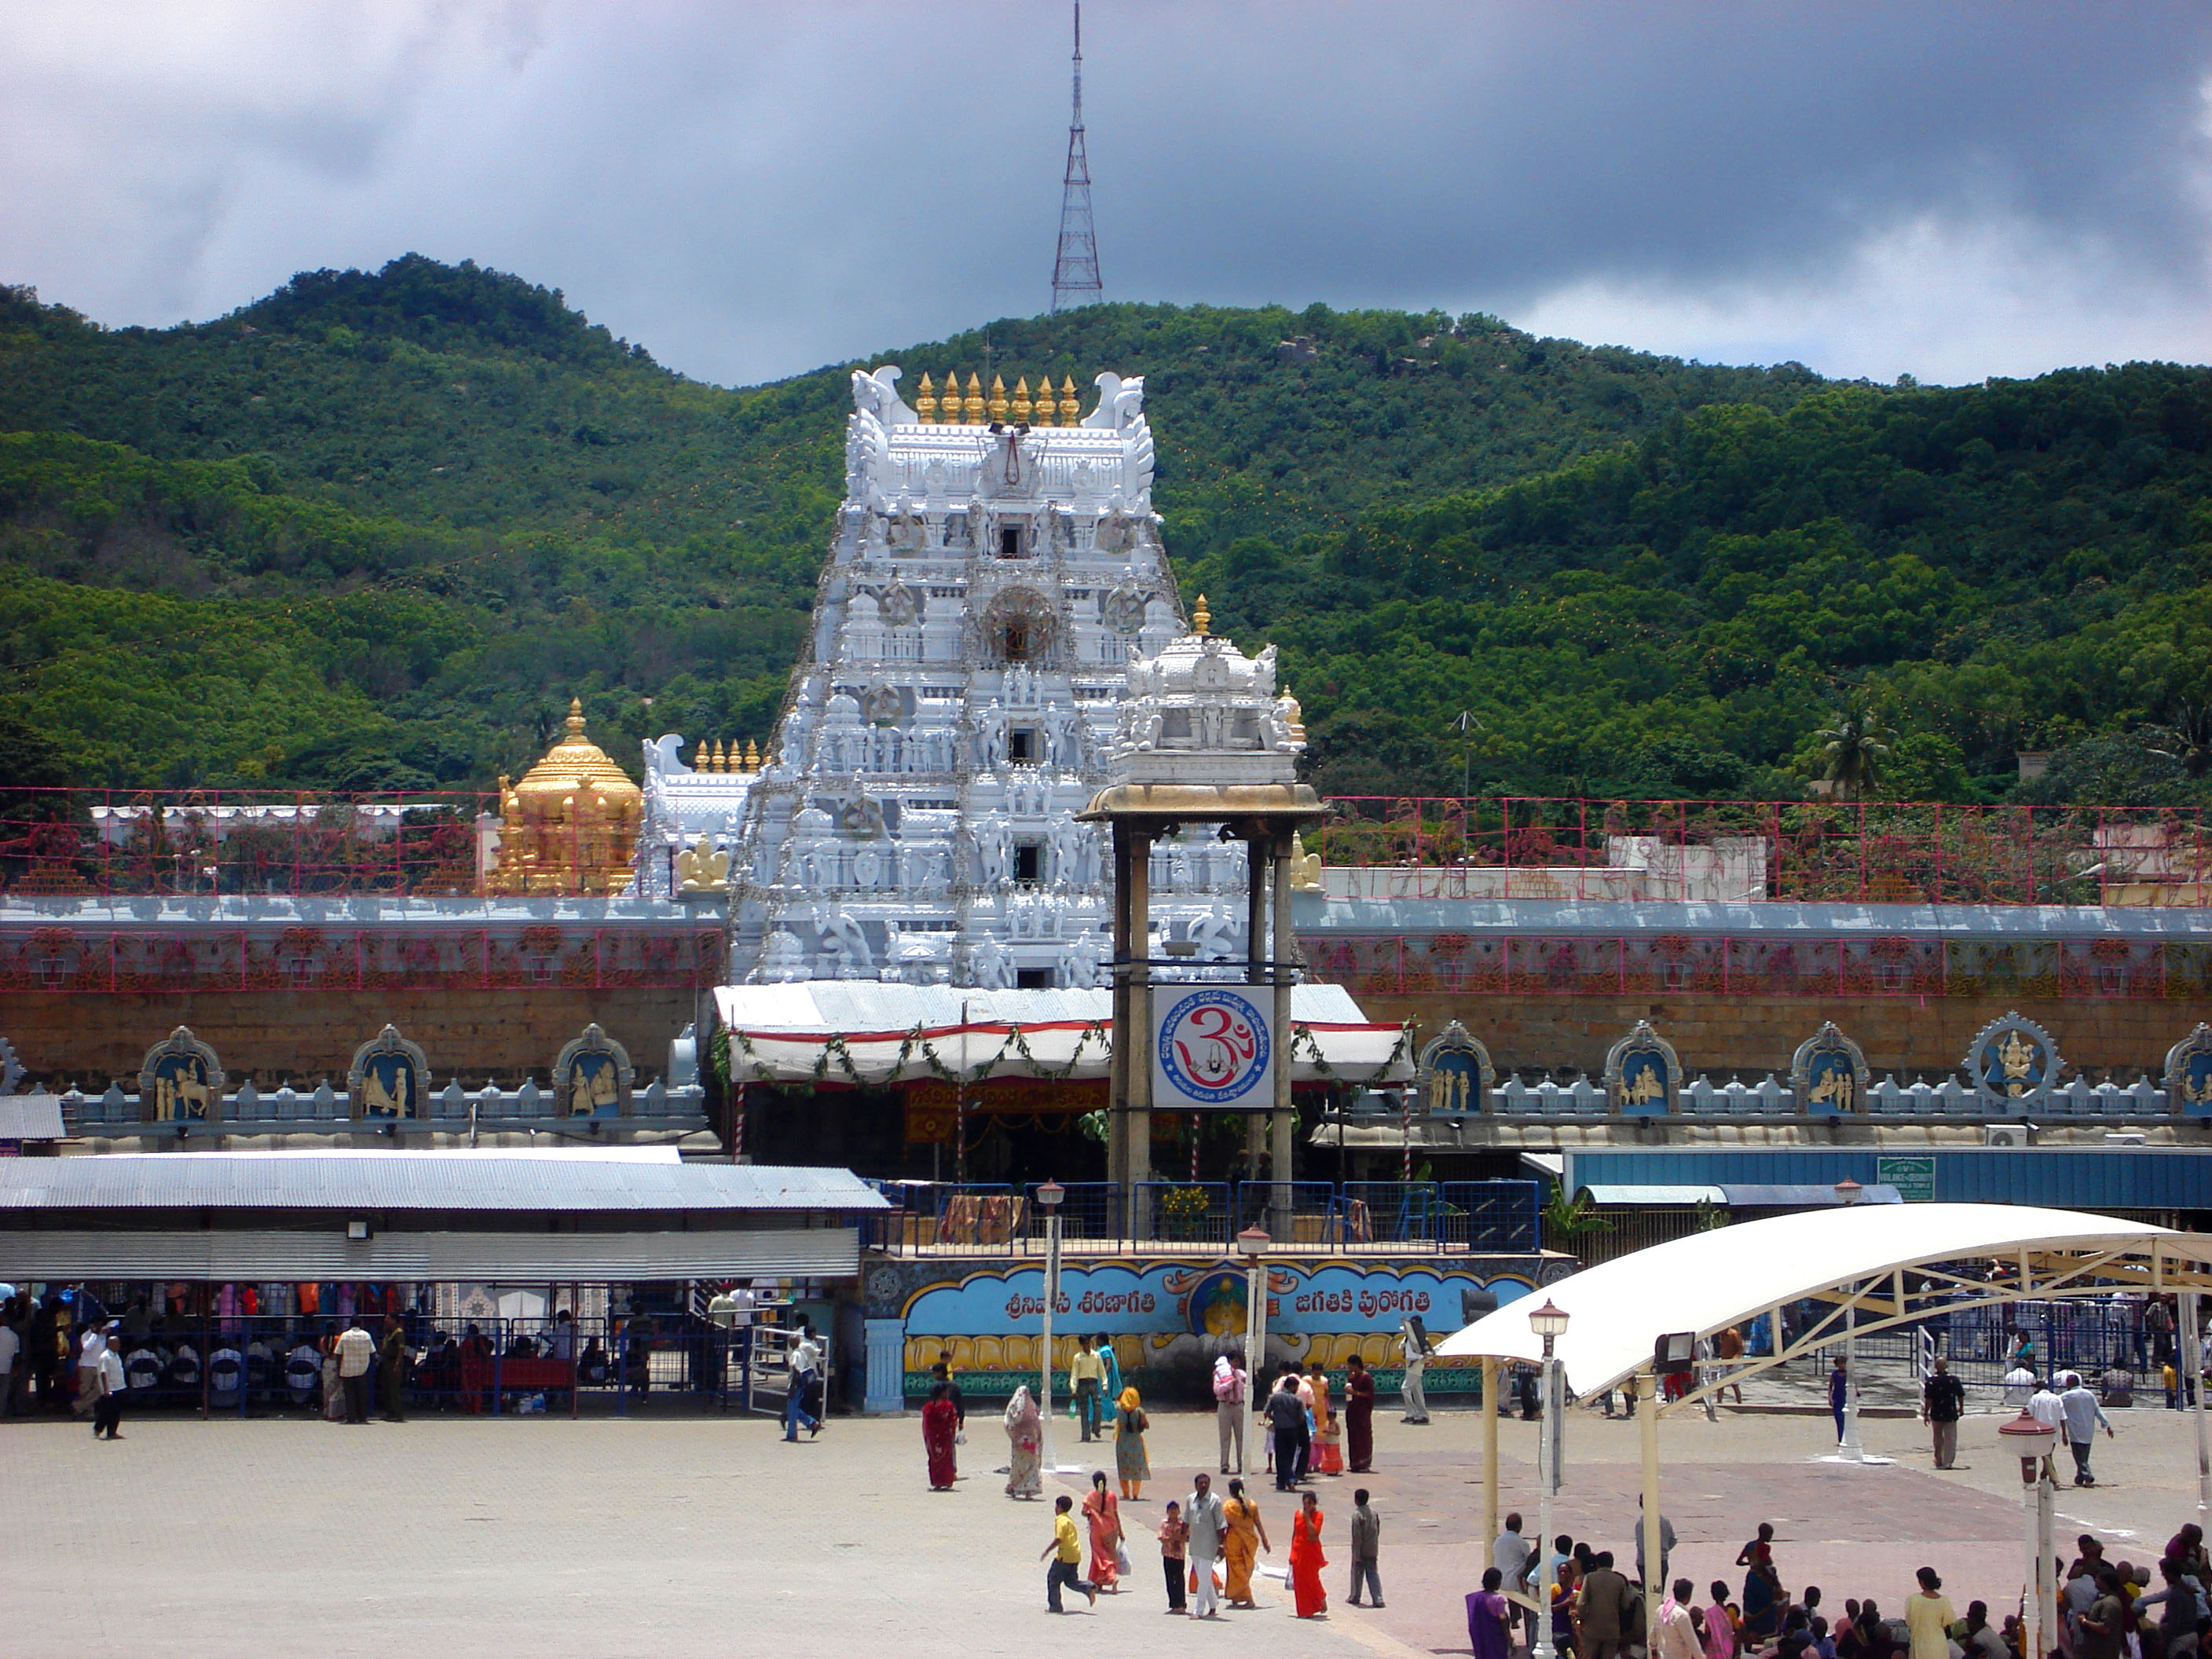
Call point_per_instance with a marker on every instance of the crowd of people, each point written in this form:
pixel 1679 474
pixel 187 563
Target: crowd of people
pixel 2108 1609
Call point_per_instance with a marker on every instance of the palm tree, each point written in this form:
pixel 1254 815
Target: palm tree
pixel 1853 748
pixel 2187 739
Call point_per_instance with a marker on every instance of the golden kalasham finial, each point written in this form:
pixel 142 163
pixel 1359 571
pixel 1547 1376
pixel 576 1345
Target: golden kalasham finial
pixel 575 717
pixel 752 756
pixel 1199 618
pixel 998 403
pixel 1067 404
pixel 1020 406
pixel 925 401
pixel 971 406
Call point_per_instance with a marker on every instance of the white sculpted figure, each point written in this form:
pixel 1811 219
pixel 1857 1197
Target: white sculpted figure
pixel 991 836
pixel 1081 959
pixel 1215 933
pixel 1068 849
pixel 993 969
pixel 876 393
pixel 1060 746
pixel 1121 403
pixel 844 941
pixel 991 737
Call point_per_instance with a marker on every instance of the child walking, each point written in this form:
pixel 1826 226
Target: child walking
pixel 1066 1550
pixel 1175 1551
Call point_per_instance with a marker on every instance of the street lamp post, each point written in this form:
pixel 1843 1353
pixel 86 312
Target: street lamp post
pixel 1550 1322
pixel 2190 1368
pixel 1850 1194
pixel 1252 1245
pixel 2031 1442
pixel 1049 1198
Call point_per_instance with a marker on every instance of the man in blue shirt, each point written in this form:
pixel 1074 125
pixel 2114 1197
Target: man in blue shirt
pixel 2083 1415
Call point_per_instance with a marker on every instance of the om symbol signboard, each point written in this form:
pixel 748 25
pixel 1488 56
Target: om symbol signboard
pixel 1211 1048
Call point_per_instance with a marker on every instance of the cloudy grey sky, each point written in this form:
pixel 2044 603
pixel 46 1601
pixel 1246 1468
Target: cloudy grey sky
pixel 1950 191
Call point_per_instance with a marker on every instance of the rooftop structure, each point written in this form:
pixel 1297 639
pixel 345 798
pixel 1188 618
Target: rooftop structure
pixel 570 826
pixel 996 564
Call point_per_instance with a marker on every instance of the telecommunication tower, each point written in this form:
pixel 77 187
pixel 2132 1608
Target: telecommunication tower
pixel 1075 272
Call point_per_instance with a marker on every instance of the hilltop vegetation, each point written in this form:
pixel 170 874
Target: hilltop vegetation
pixel 373 531
pixel 2021 565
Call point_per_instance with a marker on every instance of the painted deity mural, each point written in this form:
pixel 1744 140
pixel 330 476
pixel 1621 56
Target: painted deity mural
pixel 387 1078
pixel 2013 1057
pixel 2189 1074
pixel 593 1077
pixel 1641 1074
pixel 1456 1074
pixel 1170 1316
pixel 180 1081
pixel 1829 1073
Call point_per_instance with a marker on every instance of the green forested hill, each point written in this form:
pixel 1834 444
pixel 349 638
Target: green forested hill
pixel 2021 565
pixel 373 531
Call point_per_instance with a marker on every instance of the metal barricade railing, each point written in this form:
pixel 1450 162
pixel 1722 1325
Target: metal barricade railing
pixel 1183 1213
pixel 1091 1213
pixel 1494 1217
pixel 1387 1213
pixel 1501 1218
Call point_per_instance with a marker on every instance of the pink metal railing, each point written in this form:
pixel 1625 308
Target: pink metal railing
pixel 104 843
pixel 310 958
pixel 1902 852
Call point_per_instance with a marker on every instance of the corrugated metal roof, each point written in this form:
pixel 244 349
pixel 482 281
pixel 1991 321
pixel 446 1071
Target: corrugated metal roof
pixel 31 1117
pixel 257 1254
pixel 2059 1178
pixel 1680 1197
pixel 418 1180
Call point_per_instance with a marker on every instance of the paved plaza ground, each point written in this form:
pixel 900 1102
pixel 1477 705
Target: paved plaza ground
pixel 674 1536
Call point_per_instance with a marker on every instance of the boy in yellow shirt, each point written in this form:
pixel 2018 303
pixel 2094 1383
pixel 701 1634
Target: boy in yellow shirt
pixel 1066 1550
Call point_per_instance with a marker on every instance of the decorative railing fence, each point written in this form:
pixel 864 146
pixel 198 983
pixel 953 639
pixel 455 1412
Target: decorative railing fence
pixel 1499 1218
pixel 55 957
pixel 1895 851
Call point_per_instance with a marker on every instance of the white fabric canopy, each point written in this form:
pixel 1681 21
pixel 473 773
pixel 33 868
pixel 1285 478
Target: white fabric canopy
pixel 887 1033
pixel 1710 1281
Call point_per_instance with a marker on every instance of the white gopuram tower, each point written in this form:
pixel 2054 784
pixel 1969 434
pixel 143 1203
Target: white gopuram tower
pixel 996 565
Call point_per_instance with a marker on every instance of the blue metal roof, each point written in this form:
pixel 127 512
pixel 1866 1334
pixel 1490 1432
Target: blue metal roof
pixel 2058 1178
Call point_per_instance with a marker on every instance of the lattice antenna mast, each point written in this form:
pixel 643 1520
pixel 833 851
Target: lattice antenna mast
pixel 1075 272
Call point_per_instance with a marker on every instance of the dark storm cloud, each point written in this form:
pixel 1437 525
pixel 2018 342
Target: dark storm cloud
pixel 751 191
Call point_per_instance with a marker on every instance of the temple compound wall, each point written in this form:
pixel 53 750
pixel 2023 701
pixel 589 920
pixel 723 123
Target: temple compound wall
pixel 1168 1315
pixel 304 1037
pixel 1752 1035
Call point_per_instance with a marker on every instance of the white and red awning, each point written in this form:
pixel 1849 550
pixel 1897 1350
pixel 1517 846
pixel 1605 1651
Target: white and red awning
pixel 860 1032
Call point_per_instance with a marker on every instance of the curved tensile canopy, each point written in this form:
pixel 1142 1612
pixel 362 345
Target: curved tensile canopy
pixel 1883 1267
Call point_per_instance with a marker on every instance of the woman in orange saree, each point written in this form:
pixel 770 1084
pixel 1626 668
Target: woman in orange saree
pixel 1246 1536
pixel 1328 1431
pixel 1103 1512
pixel 1307 1560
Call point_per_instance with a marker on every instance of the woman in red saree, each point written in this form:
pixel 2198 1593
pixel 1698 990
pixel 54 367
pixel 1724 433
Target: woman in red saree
pixel 475 1370
pixel 1103 1511
pixel 1359 1414
pixel 940 1422
pixel 1307 1560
